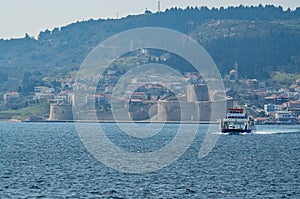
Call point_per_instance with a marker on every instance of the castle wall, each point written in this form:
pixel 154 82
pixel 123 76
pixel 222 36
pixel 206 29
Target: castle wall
pixel 198 92
pixel 193 111
pixel 142 110
pixel 178 111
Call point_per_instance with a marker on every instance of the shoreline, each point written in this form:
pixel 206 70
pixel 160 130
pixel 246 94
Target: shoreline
pixel 123 121
pixel 140 121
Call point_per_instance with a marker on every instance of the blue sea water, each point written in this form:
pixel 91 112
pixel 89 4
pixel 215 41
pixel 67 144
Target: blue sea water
pixel 48 160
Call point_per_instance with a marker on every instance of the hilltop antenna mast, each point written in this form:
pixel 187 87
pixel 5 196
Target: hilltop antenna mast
pixel 158 6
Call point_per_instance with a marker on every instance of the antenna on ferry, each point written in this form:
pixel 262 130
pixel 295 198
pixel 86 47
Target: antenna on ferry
pixel 235 104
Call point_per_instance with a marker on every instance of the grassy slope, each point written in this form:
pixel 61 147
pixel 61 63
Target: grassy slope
pixel 284 79
pixel 25 113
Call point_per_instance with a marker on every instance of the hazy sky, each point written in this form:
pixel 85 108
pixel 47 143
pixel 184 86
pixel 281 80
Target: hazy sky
pixel 18 17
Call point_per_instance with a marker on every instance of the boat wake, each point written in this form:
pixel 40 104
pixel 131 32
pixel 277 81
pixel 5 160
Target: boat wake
pixel 264 132
pixel 279 131
pixel 220 133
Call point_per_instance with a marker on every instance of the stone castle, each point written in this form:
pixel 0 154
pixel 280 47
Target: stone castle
pixel 195 106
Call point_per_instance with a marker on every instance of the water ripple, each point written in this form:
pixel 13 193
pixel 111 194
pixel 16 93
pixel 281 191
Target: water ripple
pixel 45 160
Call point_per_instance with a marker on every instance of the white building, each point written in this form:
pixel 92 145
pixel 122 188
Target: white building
pixel 272 108
pixel 284 116
pixel 10 96
pixel 65 97
pixel 43 89
pixel 43 92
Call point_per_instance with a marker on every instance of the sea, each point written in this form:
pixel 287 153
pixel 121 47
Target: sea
pixel 50 160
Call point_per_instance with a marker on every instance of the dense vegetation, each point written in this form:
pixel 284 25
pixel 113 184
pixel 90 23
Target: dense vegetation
pixel 261 39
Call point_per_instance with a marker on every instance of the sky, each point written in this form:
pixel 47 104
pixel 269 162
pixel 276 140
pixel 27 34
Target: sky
pixel 18 17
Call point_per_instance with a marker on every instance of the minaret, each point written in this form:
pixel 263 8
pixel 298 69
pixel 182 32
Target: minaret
pixel 236 69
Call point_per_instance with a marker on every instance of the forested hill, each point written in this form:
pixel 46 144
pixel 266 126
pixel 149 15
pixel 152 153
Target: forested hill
pixel 261 39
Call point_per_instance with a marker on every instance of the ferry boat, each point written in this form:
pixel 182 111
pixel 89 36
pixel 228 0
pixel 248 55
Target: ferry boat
pixel 237 121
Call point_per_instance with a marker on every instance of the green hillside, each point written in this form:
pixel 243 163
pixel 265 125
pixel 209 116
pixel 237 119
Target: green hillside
pixel 261 39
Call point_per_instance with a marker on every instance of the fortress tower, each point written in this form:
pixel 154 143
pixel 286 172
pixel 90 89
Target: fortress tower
pixel 60 112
